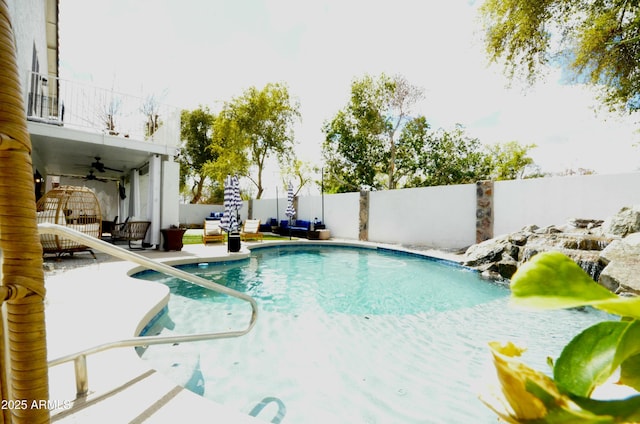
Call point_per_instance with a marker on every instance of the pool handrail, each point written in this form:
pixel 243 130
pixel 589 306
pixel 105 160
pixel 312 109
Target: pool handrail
pixel 79 358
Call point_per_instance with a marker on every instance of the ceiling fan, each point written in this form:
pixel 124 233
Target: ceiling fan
pixel 92 177
pixel 100 167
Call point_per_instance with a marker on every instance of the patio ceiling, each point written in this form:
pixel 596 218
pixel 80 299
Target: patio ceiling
pixel 62 151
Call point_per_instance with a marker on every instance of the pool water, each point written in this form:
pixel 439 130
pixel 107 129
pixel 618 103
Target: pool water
pixel 350 335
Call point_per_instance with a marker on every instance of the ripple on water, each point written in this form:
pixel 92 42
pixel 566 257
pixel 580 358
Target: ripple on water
pixel 327 361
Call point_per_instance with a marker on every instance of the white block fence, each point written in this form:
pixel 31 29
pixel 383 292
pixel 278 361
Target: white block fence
pixel 445 216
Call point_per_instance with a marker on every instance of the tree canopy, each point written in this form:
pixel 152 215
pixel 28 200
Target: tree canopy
pixel 375 143
pixel 261 122
pixel 195 133
pixel 365 139
pixel 597 41
pixel 510 160
pixel 205 158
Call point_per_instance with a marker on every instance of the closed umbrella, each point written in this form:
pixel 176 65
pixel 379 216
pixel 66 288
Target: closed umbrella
pixel 229 221
pixel 237 200
pixel 290 212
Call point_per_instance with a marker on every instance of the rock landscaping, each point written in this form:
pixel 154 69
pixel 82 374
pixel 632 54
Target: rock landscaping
pixel 609 250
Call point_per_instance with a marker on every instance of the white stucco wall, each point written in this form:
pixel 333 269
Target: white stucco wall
pixel 547 201
pixel 195 214
pixel 310 207
pixel 427 216
pixel 265 209
pixel 445 216
pixel 30 17
pixel 341 215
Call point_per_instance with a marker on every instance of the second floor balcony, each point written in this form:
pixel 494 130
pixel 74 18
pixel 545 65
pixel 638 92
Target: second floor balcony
pixel 80 106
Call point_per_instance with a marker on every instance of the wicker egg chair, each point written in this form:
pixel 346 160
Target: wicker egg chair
pixel 23 364
pixel 73 207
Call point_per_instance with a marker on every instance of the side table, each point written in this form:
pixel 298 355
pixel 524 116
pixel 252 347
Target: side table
pixel 172 238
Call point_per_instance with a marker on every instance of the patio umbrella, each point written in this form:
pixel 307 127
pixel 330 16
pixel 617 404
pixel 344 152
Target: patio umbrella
pixel 290 212
pixel 229 221
pixel 237 200
pixel 22 285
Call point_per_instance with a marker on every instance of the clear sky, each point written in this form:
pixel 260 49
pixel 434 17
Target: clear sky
pixel 204 52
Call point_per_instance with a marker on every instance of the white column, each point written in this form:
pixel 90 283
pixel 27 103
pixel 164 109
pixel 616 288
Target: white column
pixel 155 184
pixel 134 193
pixel 170 194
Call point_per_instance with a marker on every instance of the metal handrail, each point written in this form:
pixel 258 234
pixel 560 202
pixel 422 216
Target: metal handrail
pixel 79 358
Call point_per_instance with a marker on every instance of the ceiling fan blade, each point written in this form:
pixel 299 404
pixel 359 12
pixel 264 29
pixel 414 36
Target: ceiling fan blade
pixel 100 167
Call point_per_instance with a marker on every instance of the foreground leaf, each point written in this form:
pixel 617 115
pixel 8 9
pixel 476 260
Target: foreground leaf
pixel 551 280
pixel 623 411
pixel 630 372
pixel 588 360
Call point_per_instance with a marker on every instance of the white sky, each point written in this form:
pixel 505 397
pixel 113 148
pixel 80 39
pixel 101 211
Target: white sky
pixel 204 52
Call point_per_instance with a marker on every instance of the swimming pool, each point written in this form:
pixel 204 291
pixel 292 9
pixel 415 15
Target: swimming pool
pixel 350 335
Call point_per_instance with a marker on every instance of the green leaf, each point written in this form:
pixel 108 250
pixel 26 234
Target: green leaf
pixel 628 356
pixel 630 372
pixel 551 280
pixel 593 355
pixel 624 411
pixel 588 360
pixel 559 411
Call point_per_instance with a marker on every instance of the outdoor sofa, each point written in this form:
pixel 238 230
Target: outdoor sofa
pixel 298 228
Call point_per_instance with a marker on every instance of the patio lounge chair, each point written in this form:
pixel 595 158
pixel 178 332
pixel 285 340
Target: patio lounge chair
pixel 130 230
pixel 251 230
pixel 212 232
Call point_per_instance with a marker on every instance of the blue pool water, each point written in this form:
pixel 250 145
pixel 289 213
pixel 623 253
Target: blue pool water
pixel 350 335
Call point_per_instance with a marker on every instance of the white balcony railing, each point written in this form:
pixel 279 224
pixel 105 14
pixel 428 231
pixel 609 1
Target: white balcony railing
pixel 81 106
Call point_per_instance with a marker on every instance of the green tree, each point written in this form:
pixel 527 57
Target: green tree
pixel 597 41
pixel 363 142
pixel 451 157
pixel 195 132
pixel 228 146
pixel 300 172
pixel 262 122
pixel 510 160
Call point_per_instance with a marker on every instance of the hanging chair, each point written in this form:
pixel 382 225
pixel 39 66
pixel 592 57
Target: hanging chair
pixel 23 345
pixel 73 207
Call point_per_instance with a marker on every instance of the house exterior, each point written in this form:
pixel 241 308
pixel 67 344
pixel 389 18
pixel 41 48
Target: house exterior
pixel 121 146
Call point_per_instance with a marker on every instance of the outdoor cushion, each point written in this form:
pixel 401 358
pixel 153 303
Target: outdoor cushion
pixel 212 228
pixel 251 226
pixel 251 230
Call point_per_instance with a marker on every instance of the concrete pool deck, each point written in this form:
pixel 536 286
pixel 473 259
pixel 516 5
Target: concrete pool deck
pixel 90 302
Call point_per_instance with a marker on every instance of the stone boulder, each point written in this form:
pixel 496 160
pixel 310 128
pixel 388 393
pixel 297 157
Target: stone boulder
pixel 626 221
pixel 622 271
pixel 608 250
pixel 489 251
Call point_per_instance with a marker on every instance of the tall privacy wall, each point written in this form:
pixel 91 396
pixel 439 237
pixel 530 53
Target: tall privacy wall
pixel 546 201
pixel 451 216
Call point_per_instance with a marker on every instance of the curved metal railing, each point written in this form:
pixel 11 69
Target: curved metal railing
pixel 79 358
